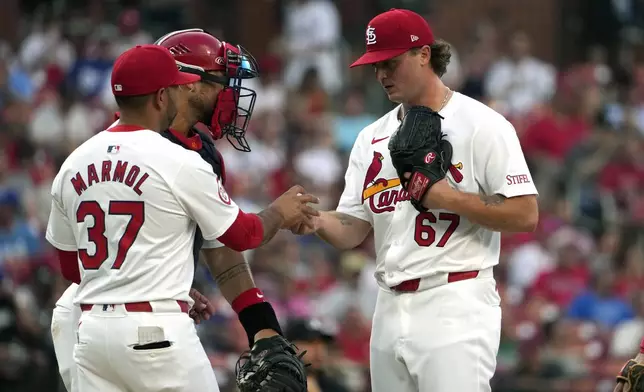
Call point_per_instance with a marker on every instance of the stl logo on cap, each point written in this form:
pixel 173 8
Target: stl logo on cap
pixel 371 35
pixel 398 31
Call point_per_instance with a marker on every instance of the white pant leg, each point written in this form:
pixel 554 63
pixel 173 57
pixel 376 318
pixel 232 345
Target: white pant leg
pixel 454 337
pixel 388 370
pixel 64 324
pixel 92 354
pixel 105 353
pixel 62 334
pixel 93 379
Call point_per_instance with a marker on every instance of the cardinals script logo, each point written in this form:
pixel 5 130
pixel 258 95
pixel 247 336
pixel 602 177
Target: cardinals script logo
pixel 383 194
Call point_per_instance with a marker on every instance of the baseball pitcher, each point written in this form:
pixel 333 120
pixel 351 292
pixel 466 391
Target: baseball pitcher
pixel 437 179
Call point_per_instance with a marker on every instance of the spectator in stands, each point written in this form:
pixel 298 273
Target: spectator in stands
pixel 312 39
pixel 309 336
pixel 600 304
pixel 563 353
pixel 594 71
pixel 584 162
pixel 481 52
pixel 19 242
pixel 351 120
pixel 87 75
pixel 14 361
pixel 628 333
pixel 520 81
pixel 15 83
pixel 570 275
pixel 24 362
pixel 267 154
pixel 628 164
pixel 131 33
pixel 353 336
pixel 530 259
pixel 355 289
pixel 310 100
pixel 46 46
pixel 271 91
pixel 626 111
pixel 631 272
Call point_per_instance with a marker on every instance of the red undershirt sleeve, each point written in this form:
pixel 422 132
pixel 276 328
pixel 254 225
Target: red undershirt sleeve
pixel 69 265
pixel 246 232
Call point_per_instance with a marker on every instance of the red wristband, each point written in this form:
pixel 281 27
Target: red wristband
pixel 642 346
pixel 247 298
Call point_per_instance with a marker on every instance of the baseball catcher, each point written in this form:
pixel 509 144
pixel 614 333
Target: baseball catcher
pixel 420 153
pixel 272 365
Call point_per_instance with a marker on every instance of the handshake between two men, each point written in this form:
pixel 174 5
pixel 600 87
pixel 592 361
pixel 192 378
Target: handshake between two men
pixel 294 209
pixel 288 211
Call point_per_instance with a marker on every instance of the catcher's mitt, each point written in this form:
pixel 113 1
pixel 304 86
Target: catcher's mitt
pixel 272 365
pixel 418 147
pixel 632 375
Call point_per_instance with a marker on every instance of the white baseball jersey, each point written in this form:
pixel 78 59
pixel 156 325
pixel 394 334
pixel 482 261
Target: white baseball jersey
pixel 128 200
pixel 487 160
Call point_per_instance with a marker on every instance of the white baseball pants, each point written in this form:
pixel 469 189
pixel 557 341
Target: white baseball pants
pixel 107 360
pixel 442 339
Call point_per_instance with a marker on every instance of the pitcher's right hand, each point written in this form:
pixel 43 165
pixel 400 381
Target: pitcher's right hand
pixel 293 206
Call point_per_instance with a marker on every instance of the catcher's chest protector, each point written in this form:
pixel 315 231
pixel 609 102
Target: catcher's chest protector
pixel 208 153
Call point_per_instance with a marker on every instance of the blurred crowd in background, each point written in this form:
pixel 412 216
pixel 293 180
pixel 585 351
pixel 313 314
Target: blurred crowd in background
pixel 573 291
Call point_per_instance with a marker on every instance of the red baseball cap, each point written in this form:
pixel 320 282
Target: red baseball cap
pixel 145 69
pixel 392 33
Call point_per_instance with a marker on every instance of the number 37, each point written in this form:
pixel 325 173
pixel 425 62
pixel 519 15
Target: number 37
pixel 96 233
pixel 425 234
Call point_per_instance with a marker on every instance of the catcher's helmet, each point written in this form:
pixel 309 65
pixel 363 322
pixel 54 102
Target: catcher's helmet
pixel 198 52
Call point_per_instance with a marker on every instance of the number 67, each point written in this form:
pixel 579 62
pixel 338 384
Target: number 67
pixel 425 234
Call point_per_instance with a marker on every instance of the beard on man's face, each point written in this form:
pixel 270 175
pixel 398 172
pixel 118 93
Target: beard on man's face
pixel 201 110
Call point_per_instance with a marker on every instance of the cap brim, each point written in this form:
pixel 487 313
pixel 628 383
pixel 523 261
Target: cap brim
pixel 186 78
pixel 377 56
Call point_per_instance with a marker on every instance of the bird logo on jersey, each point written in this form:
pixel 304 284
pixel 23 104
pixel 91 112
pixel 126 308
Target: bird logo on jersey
pixel 388 197
pixel 384 187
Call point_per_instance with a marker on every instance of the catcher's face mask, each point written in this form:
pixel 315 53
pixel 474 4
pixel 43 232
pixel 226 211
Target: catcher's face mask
pixel 235 103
